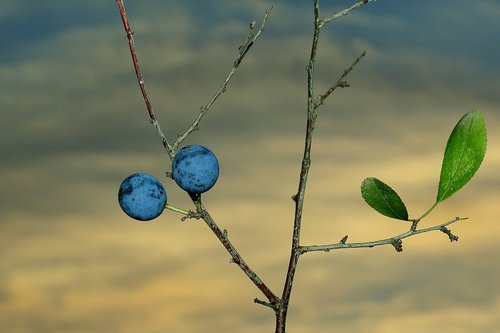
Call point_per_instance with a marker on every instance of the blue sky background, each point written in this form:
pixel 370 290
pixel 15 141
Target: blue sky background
pixel 73 125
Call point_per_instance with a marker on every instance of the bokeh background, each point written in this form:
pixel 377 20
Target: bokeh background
pixel 73 125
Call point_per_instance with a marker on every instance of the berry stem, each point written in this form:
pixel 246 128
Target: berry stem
pixel 175 209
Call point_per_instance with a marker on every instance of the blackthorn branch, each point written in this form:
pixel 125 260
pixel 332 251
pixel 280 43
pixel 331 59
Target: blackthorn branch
pixel 242 51
pixel 340 82
pixel 344 12
pixel 140 80
pixel 235 256
pixel 389 241
pixel 314 101
pixel 201 211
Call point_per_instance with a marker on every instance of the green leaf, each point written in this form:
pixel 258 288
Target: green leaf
pixel 383 199
pixel 464 153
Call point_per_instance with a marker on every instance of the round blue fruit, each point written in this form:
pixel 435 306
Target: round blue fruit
pixel 195 169
pixel 142 196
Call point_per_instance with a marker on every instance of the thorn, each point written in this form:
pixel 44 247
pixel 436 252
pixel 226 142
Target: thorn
pixel 224 233
pixel 344 239
pixel 258 301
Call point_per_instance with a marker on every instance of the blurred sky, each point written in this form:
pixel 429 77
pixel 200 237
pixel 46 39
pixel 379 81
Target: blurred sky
pixel 73 125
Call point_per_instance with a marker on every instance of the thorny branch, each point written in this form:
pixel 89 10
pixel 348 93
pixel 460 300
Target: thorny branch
pixel 201 211
pixel 242 51
pixel 236 258
pixel 313 103
pixel 396 241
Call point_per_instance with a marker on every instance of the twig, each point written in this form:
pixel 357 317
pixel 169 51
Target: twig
pixel 140 80
pixel 396 240
pixel 222 235
pixel 313 104
pixel 344 12
pixel 201 212
pixel 258 301
pixel 242 51
pixel 447 231
pixel 340 82
pixel 235 256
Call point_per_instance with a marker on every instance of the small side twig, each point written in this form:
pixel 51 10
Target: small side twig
pixel 242 51
pixel 341 83
pixel 313 103
pixel 396 241
pixel 344 12
pixel 140 80
pixel 398 245
pixel 258 301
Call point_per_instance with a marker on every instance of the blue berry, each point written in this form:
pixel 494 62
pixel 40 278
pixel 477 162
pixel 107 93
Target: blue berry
pixel 195 169
pixel 142 196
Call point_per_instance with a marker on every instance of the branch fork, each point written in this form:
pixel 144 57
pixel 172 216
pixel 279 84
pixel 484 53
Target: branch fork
pixel 172 148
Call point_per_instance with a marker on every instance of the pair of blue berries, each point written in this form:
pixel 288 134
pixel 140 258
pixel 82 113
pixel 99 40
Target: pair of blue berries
pixel 194 168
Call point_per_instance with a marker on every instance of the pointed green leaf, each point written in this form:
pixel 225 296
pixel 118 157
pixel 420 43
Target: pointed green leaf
pixel 383 199
pixel 464 153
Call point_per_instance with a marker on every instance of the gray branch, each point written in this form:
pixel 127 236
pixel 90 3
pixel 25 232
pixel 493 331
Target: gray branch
pixel 236 258
pixel 242 51
pixel 396 241
pixel 340 82
pixel 344 12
